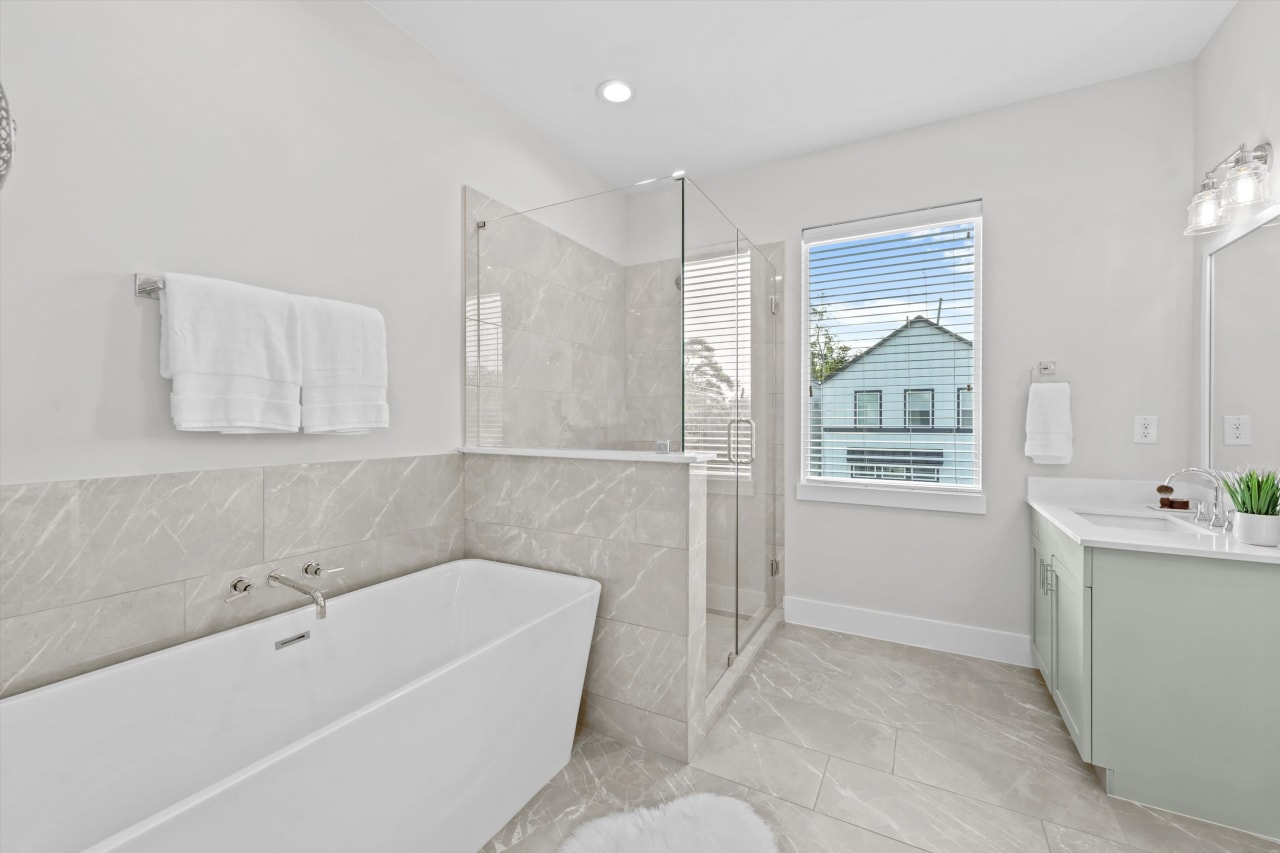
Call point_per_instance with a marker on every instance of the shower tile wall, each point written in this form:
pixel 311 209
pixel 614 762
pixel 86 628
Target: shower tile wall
pixel 654 355
pixel 636 528
pixel 546 329
pixel 93 572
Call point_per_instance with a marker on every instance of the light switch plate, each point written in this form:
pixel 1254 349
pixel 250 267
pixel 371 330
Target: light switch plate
pixel 1145 429
pixel 1236 429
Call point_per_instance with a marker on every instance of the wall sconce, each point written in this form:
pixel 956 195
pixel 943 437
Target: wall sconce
pixel 1244 185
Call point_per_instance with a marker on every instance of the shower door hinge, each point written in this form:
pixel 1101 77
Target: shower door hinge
pixel 773 568
pixel 480 224
pixel 773 305
pixel 732 657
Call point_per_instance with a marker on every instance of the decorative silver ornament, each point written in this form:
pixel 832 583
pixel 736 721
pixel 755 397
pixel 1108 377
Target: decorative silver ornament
pixel 7 131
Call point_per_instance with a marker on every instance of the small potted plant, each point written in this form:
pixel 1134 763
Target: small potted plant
pixel 1256 495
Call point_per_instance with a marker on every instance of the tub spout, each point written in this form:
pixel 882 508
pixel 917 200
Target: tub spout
pixel 277 579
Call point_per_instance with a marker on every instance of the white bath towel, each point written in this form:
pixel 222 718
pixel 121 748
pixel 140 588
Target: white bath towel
pixel 344 367
pixel 234 353
pixel 1049 423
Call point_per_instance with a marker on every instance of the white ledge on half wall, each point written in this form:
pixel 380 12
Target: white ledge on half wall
pixel 605 455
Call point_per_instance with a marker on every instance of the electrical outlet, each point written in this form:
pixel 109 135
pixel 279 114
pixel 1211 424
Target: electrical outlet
pixel 1236 429
pixel 1144 429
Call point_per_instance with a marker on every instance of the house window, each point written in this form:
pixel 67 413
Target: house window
pixel 867 411
pixel 918 406
pixel 893 309
pixel 964 407
pixel 717 358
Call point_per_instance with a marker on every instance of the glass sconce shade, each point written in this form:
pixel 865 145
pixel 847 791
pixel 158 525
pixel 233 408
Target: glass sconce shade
pixel 1245 185
pixel 1204 214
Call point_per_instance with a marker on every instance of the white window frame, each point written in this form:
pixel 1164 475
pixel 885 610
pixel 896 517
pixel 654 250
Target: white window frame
pixel 913 495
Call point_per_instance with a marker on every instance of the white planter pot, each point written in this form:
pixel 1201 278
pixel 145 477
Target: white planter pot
pixel 1257 529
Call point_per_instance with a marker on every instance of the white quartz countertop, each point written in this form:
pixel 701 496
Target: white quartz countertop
pixel 1069 503
pixel 605 455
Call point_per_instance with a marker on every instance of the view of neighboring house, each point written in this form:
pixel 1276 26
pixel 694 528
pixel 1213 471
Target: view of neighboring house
pixel 900 410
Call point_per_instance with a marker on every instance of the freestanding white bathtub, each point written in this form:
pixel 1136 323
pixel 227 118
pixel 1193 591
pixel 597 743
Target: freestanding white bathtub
pixel 419 716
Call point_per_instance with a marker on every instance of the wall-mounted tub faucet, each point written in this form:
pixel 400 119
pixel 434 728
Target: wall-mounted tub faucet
pixel 277 579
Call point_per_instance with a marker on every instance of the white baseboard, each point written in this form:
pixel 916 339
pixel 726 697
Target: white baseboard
pixel 721 597
pixel 911 630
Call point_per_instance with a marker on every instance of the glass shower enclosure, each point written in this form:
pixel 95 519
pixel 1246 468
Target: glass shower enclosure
pixel 627 320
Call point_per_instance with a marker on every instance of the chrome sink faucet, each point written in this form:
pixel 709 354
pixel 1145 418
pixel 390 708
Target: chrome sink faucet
pixel 1219 520
pixel 278 579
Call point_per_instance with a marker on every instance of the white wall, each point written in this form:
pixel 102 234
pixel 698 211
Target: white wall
pixel 1237 80
pixel 306 146
pixel 1084 262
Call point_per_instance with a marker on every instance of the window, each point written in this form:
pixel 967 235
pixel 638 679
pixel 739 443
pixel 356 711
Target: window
pixel 894 323
pixel 920 465
pixel 867 411
pixel 964 407
pixel 717 356
pixel 918 405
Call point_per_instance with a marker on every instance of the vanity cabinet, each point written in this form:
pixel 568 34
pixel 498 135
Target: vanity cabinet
pixel 1164 669
pixel 1061 639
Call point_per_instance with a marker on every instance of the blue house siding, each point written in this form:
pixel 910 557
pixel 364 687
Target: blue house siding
pixel 920 357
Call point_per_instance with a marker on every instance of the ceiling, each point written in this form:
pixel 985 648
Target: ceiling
pixel 721 84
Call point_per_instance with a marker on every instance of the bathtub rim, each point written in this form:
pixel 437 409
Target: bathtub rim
pixel 123 665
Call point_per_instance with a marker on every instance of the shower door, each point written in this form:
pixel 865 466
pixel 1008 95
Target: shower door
pixel 726 285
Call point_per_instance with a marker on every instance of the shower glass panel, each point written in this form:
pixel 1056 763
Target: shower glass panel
pixel 728 324
pixel 626 318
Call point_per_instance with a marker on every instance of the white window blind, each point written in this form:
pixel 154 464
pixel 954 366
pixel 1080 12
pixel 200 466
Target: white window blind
pixel 717 355
pixel 484 370
pixel 893 322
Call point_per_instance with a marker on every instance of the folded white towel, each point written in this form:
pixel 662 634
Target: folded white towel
pixel 234 353
pixel 344 367
pixel 1049 423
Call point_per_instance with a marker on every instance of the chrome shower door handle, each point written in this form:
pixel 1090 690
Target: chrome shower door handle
pixel 730 432
pixel 751 445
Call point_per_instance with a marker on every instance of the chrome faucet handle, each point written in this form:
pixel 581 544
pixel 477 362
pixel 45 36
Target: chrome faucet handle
pixel 315 570
pixel 1202 512
pixel 240 587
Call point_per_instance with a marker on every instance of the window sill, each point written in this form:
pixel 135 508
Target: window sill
pixel 973 503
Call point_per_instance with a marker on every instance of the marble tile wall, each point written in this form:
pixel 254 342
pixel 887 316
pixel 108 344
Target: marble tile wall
pixel 545 327
pixel 654 355
pixel 633 526
pixel 93 572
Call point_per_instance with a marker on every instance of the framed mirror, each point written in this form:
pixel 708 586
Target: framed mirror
pixel 1241 345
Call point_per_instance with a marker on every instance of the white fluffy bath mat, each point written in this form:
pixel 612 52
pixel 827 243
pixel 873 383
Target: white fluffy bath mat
pixel 701 823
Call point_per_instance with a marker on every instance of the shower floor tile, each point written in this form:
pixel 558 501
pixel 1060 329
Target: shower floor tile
pixel 874 747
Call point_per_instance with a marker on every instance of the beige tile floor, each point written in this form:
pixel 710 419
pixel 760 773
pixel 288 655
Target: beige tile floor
pixel 850 745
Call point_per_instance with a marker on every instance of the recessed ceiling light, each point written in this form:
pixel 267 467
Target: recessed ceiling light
pixel 614 91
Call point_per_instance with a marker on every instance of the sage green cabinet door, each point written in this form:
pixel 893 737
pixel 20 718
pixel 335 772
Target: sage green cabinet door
pixel 1072 656
pixel 1042 614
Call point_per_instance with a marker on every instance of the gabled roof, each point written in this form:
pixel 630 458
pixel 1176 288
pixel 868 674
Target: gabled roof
pixel 917 320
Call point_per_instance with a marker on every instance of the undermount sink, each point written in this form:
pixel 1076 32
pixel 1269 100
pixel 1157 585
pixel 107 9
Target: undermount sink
pixel 1138 522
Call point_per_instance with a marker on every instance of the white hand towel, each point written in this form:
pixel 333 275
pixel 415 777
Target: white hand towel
pixel 234 353
pixel 1049 423
pixel 344 367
